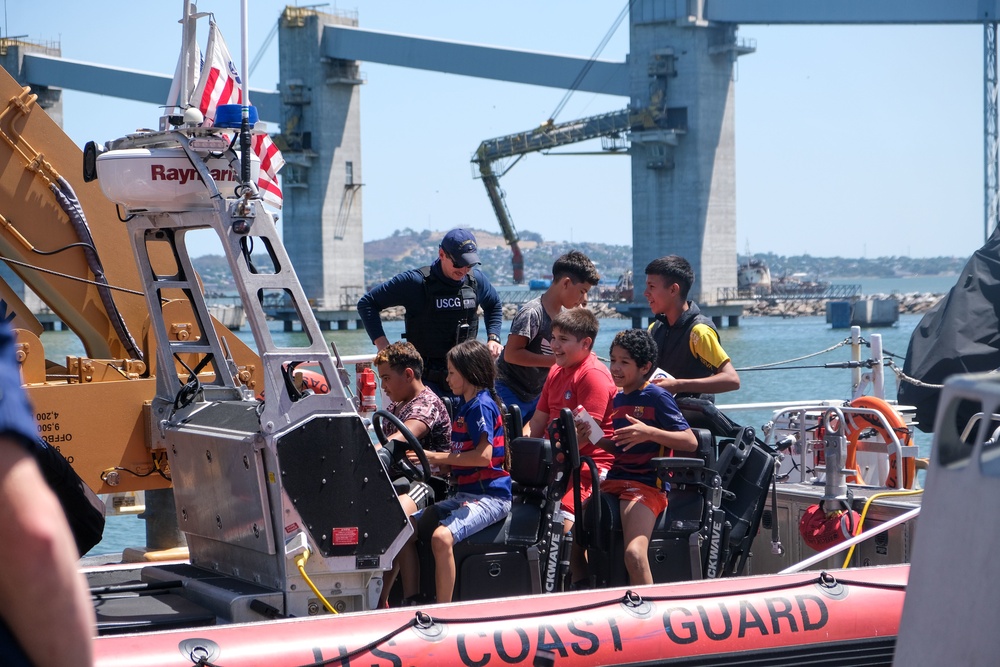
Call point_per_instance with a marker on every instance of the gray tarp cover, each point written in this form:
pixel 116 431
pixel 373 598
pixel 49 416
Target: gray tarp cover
pixel 961 334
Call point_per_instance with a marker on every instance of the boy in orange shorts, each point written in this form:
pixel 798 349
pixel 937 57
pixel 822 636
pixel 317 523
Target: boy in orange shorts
pixel 646 422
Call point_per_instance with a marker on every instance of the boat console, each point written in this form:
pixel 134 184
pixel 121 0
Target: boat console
pixel 285 495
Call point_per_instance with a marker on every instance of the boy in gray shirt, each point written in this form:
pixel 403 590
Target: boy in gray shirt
pixel 527 357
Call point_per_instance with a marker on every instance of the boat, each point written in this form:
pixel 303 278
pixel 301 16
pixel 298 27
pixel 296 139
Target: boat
pixel 802 614
pixel 290 518
pixel 621 292
pixel 794 618
pixel 754 274
pixel 229 314
pixel 754 279
pixel 797 284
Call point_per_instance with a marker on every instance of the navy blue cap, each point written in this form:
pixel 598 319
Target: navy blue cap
pixel 460 245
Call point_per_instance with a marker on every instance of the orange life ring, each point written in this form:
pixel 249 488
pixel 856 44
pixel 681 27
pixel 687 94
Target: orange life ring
pixel 306 379
pixel 859 423
pixel 315 381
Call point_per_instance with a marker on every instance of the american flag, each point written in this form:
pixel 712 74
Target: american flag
pixel 220 83
pixel 270 163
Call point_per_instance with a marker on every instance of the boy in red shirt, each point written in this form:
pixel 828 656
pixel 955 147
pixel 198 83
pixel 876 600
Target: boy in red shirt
pixel 578 378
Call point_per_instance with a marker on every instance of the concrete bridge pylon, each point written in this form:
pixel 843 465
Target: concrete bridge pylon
pixel 321 144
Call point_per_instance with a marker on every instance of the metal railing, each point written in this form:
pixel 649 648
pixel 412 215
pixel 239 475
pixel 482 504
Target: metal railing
pixel 789 292
pixel 517 297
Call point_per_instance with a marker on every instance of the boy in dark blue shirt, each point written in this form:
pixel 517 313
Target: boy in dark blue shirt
pixel 646 422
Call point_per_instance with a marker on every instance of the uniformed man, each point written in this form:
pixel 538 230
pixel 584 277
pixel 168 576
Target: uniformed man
pixel 441 302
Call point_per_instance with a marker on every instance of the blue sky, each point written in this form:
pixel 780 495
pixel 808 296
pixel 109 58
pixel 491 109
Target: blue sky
pixel 850 141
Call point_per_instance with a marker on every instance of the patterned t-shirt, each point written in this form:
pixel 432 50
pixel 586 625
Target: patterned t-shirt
pixel 427 408
pixel 532 322
pixel 476 418
pixel 652 406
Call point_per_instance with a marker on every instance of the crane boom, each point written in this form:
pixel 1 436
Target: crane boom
pixel 492 183
pixel 546 136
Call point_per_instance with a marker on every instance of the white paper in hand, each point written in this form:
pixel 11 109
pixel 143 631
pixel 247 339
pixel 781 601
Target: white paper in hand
pixel 581 416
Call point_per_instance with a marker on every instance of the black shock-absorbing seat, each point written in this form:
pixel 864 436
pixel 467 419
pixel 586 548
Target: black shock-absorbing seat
pixel 501 559
pixel 747 468
pixel 747 475
pixel 715 503
pixel 675 544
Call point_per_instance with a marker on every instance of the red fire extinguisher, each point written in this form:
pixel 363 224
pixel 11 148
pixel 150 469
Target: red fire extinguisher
pixel 366 390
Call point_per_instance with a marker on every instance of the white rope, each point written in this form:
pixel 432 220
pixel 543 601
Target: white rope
pixel 903 377
pixel 919 383
pixel 788 361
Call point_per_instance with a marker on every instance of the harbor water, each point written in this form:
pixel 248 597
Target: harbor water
pixel 757 341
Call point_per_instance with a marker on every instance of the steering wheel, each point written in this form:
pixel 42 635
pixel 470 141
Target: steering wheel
pixel 410 471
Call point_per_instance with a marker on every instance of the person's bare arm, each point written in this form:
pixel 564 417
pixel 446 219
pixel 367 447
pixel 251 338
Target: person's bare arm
pixel 417 428
pixel 43 598
pixel 480 457
pixel 538 423
pixel 637 432
pixel 726 379
pixel 583 437
pixel 517 353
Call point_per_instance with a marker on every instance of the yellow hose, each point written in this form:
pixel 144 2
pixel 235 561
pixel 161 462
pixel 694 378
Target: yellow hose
pixel 864 513
pixel 300 563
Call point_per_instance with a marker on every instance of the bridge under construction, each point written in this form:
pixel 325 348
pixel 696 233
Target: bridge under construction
pixel 677 122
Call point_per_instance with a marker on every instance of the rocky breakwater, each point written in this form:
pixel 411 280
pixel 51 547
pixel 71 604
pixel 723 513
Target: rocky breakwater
pixel 602 310
pixel 912 302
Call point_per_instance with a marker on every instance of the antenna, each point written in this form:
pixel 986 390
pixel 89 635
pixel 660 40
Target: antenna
pixel 245 55
pixel 245 126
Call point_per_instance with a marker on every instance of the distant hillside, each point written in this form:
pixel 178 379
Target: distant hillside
pixel 405 242
pixel 408 248
pixel 821 268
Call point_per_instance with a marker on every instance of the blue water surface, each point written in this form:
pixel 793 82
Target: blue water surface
pixel 758 340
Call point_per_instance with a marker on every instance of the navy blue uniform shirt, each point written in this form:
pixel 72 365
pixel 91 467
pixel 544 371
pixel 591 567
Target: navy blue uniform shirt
pixel 16 422
pixel 407 290
pixel 16 416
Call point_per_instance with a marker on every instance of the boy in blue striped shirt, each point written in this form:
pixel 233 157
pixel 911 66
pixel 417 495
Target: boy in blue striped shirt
pixel 646 422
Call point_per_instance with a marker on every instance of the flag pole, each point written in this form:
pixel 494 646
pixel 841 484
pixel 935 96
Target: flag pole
pixel 179 96
pixel 189 38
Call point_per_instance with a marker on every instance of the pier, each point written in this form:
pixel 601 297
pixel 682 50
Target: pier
pixel 642 316
pixel 787 292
